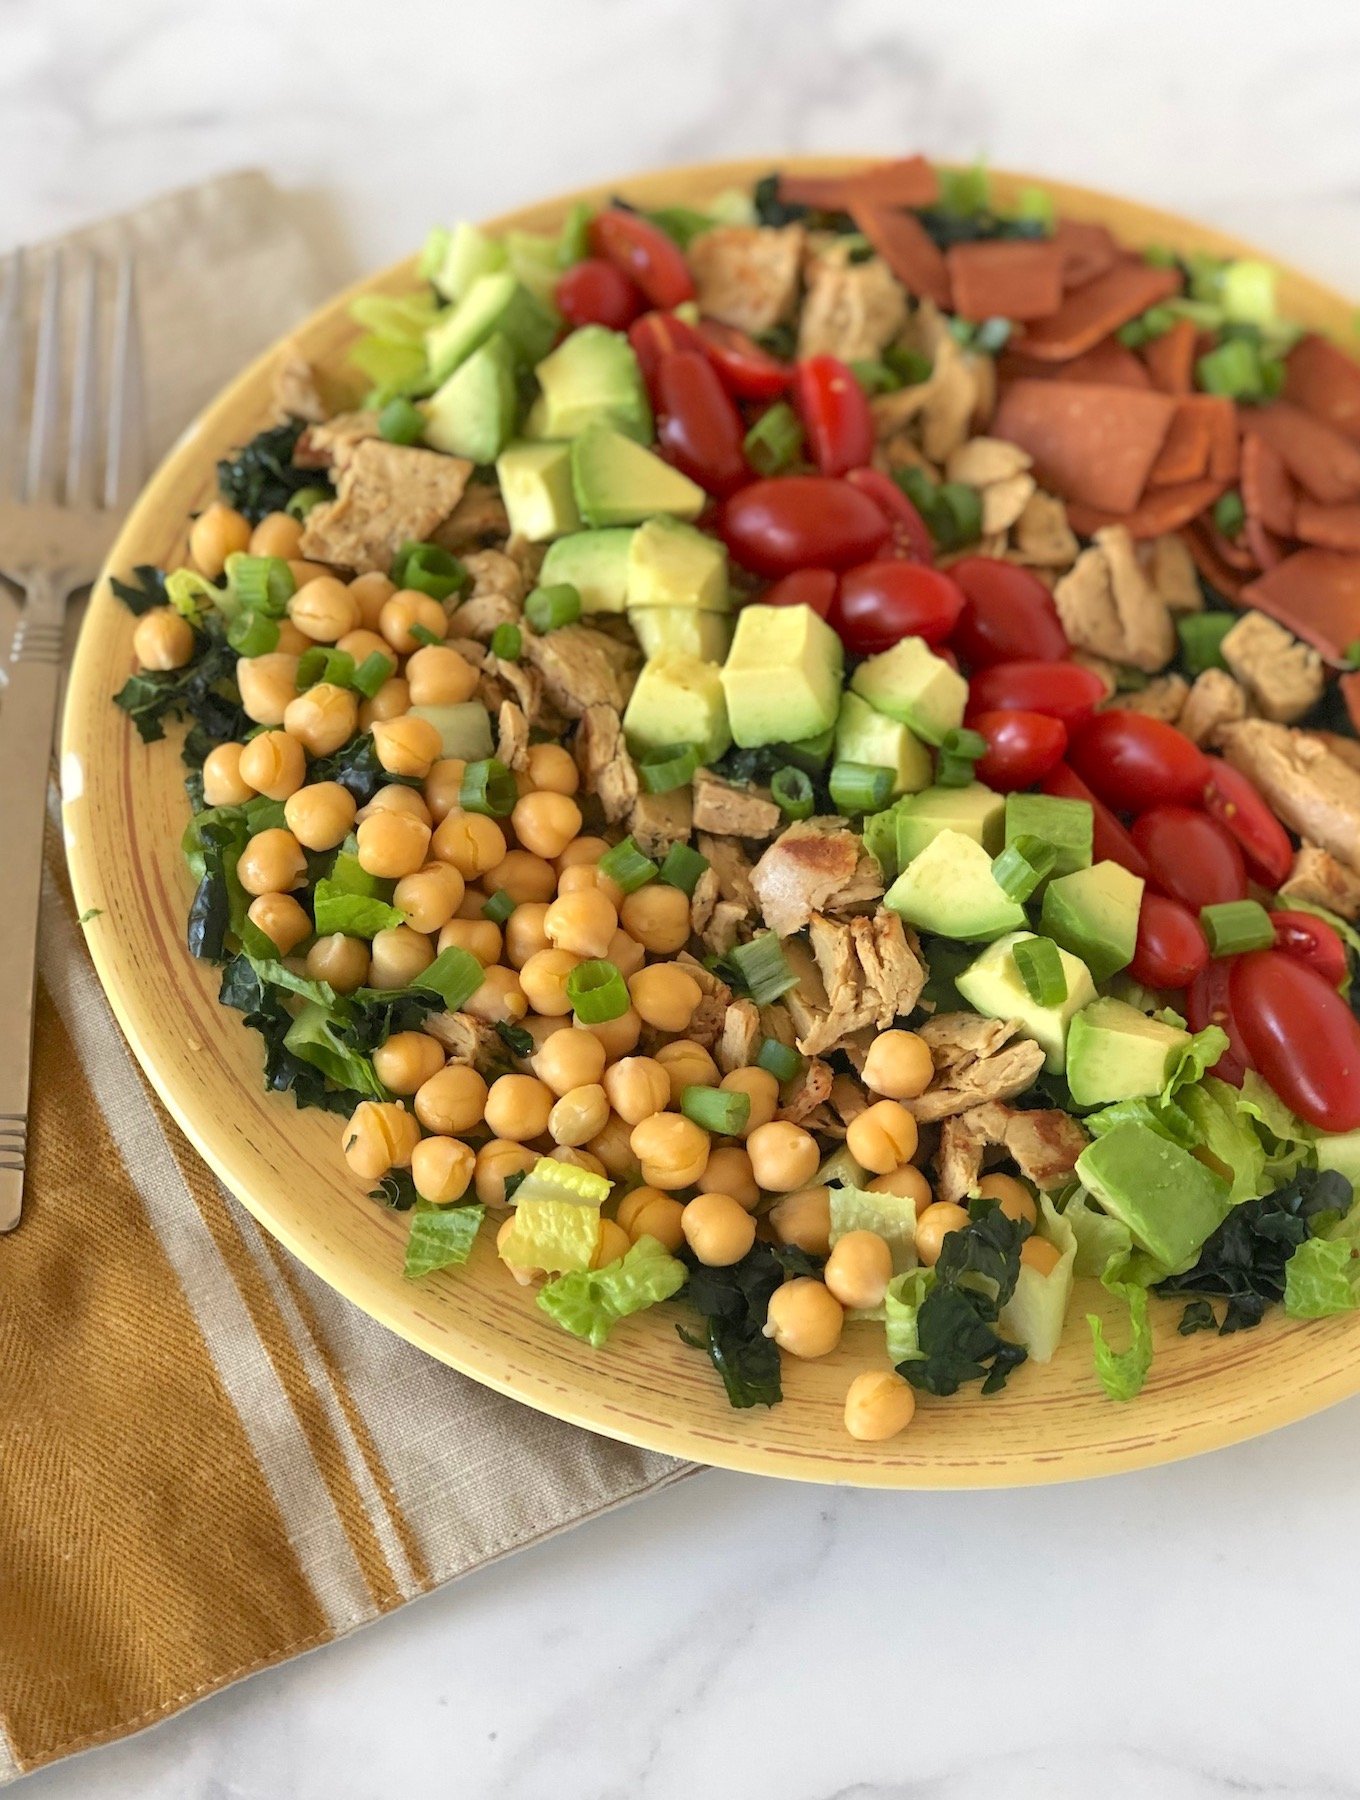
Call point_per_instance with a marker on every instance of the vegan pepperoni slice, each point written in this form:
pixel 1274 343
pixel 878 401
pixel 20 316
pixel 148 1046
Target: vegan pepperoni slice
pixel 1325 382
pixel 1109 362
pixel 1320 458
pixel 1170 358
pixel 1086 250
pixel 1267 494
pixel 1316 595
pixel 1185 454
pixel 1329 527
pixel 1018 279
pixel 1090 442
pixel 910 181
pixel 905 245
pixel 1161 510
pixel 1092 311
pixel 1205 546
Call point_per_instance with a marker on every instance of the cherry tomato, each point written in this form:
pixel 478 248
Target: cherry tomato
pixel 1207 1002
pixel 806 587
pixel 1109 840
pixel 653 336
pixel 1234 802
pixel 1191 856
pixel 1301 1035
pixel 654 262
pixel 835 412
pixel 1062 690
pixel 1021 748
pixel 1132 762
pixel 1010 615
pixel 880 603
pixel 744 369
pixel 594 292
pixel 801 522
pixel 1313 941
pixel 911 534
pixel 1171 948
pixel 698 425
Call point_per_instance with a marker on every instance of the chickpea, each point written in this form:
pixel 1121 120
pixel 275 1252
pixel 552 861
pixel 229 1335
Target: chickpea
pixel 576 1158
pixel 525 1277
pixel 524 933
pixel 273 763
pixel 500 1000
pixel 878 1404
pixel 479 937
pixel 619 1036
pixel 517 1107
pixel 658 917
pixel 443 786
pixel 717 1229
pixel 163 639
pixel 656 1215
pixel 442 1169
pixel 396 797
pixel 625 953
pixel 324 609
pixel 452 1100
pixel 729 1172
pixel 473 903
pixel 614 1243
pixel 271 863
pixel 1039 1254
pixel 470 841
pixel 934 1225
pixel 439 676
pixel 579 1115
pixel 407 1061
pixel 291 641
pixel 397 956
pixel 859 1269
pixel 883 1137
pixel 803 1219
pixel 805 1318
pixel 277 534
pixel 303 571
pixel 268 686
pixel 408 608
pixel 544 981
pixel 392 844
pixel 218 532
pixel 553 767
pixel 361 644
pixel 672 1149
pixel 524 877
pixel 497 1161
pixel 546 822
pixel 392 700
pixel 222 783
pixel 665 996
pixel 581 850
pixel 637 1087
pixel 583 923
pixel 633 1202
pixel 321 815
pixel 687 1064
pixel 281 920
pixel 569 1059
pixel 577 877
pixel 1013 1196
pixel 340 960
pixel 615 1151
pixel 783 1156
pixel 371 593
pixel 408 745
pixel 380 1135
pixel 323 718
pixel 898 1065
pixel 761 1089
pixel 429 896
pixel 907 1181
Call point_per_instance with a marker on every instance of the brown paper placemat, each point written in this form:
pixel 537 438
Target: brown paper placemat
pixel 209 1461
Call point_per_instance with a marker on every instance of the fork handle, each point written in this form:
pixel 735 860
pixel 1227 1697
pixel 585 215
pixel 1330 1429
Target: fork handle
pixel 28 710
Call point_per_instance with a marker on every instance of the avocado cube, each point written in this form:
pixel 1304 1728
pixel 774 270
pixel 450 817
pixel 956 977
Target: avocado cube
pixel 949 889
pixel 1094 914
pixel 974 810
pixel 532 256
pixel 464 728
pixel 1115 1052
pixel 782 676
pixel 673 564
pixel 866 736
pixel 681 631
pixel 677 700
pixel 617 482
pixel 535 482
pixel 592 377
pixel 1066 824
pixel 473 413
pixel 468 254
pixel 493 303
pixel 1168 1199
pixel 595 563
pixel 910 683
pixel 995 987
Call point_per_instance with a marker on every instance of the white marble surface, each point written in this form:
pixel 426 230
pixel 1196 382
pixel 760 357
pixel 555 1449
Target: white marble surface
pixel 1185 1634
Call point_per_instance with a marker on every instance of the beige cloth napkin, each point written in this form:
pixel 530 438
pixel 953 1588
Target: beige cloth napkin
pixel 209 1461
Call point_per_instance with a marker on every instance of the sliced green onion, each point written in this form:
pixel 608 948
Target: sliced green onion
pixel 918 487
pixel 781 1060
pixel 775 440
pixel 373 671
pixel 1041 970
pixel 1158 320
pixel 1352 657
pixel 548 608
pixel 859 787
pixel 1132 335
pixel 301 503
pixel 401 422
pixel 959 750
pixel 669 766
pixel 507 641
pixel 597 992
pixel 792 793
pixel 573 244
pixel 874 377
pixel 961 742
pixel 956 518
pixel 251 634
pixel 1202 636
pixel 1159 256
pixel 763 967
pixel 811 753
pixel 626 865
pixel 429 569
pixel 1229 513
pixel 1036 203
pixel 498 908
pixel 1235 926
pixel 423 635
pixel 1232 370
pixel 488 787
pixel 719 1110
pixel 993 335
pixel 681 868
pixel 455 975
pixel 323 663
pixel 261 584
pixel 911 365
pixel 965 191
pixel 1022 865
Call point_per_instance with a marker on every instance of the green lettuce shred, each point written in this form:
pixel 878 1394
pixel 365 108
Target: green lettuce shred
pixel 1123 1372
pixel 440 1237
pixel 550 1179
pixel 590 1302
pixel 555 1235
pixel 1036 1312
pixel 901 1309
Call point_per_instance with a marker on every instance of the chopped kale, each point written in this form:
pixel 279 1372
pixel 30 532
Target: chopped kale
pixel 284 1073
pixel 1198 1316
pixel 396 1190
pixel 145 590
pixel 946 229
pixel 771 210
pixel 355 766
pixel 262 477
pixel 204 691
pixel 956 1325
pixel 734 1303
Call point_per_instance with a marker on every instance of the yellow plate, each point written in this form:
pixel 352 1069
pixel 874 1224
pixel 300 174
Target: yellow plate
pixel 124 816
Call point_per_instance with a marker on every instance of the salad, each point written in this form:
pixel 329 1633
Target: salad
pixel 798 760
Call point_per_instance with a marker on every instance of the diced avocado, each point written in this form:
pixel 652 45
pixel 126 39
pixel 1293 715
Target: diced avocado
pixel 617 482
pixel 473 413
pixel 949 889
pixel 469 254
pixel 682 631
pixel 866 736
pixel 993 984
pixel 782 676
pixel 673 564
pixel 1168 1199
pixel 811 753
pixel 465 728
pixel 678 700
pixel 910 683
pixel 1114 1052
pixel 536 486
pixel 1094 913
pixel 974 810
pixel 1340 1151
pixel 596 565
pixel 533 260
pixel 494 303
pixel 591 378
pixel 1066 824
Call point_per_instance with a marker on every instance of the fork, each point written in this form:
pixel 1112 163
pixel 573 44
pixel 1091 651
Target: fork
pixel 56 523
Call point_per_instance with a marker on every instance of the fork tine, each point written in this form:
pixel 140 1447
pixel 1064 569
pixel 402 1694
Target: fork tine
pixel 11 373
pixel 43 450
pixel 82 450
pixel 125 462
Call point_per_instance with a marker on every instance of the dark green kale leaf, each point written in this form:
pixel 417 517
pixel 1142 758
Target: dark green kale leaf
pixel 204 691
pixel 1198 1316
pixel 945 229
pixel 262 477
pixel 734 1303
pixel 145 590
pixel 284 1073
pixel 355 766
pixel 771 210
pixel 956 1326
pixel 217 900
pixel 396 1191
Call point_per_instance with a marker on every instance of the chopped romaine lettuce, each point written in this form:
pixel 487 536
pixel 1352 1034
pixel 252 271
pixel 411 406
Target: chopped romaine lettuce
pixel 440 1236
pixel 556 1235
pixel 1289 1144
pixel 1123 1372
pixel 1035 1313
pixel 550 1179
pixel 590 1302
pixel 901 1306
pixel 1226 1136
pixel 891 1216
pixel 313 1038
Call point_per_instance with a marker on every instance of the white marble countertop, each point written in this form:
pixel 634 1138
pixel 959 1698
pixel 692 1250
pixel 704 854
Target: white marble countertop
pixel 1183 1634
